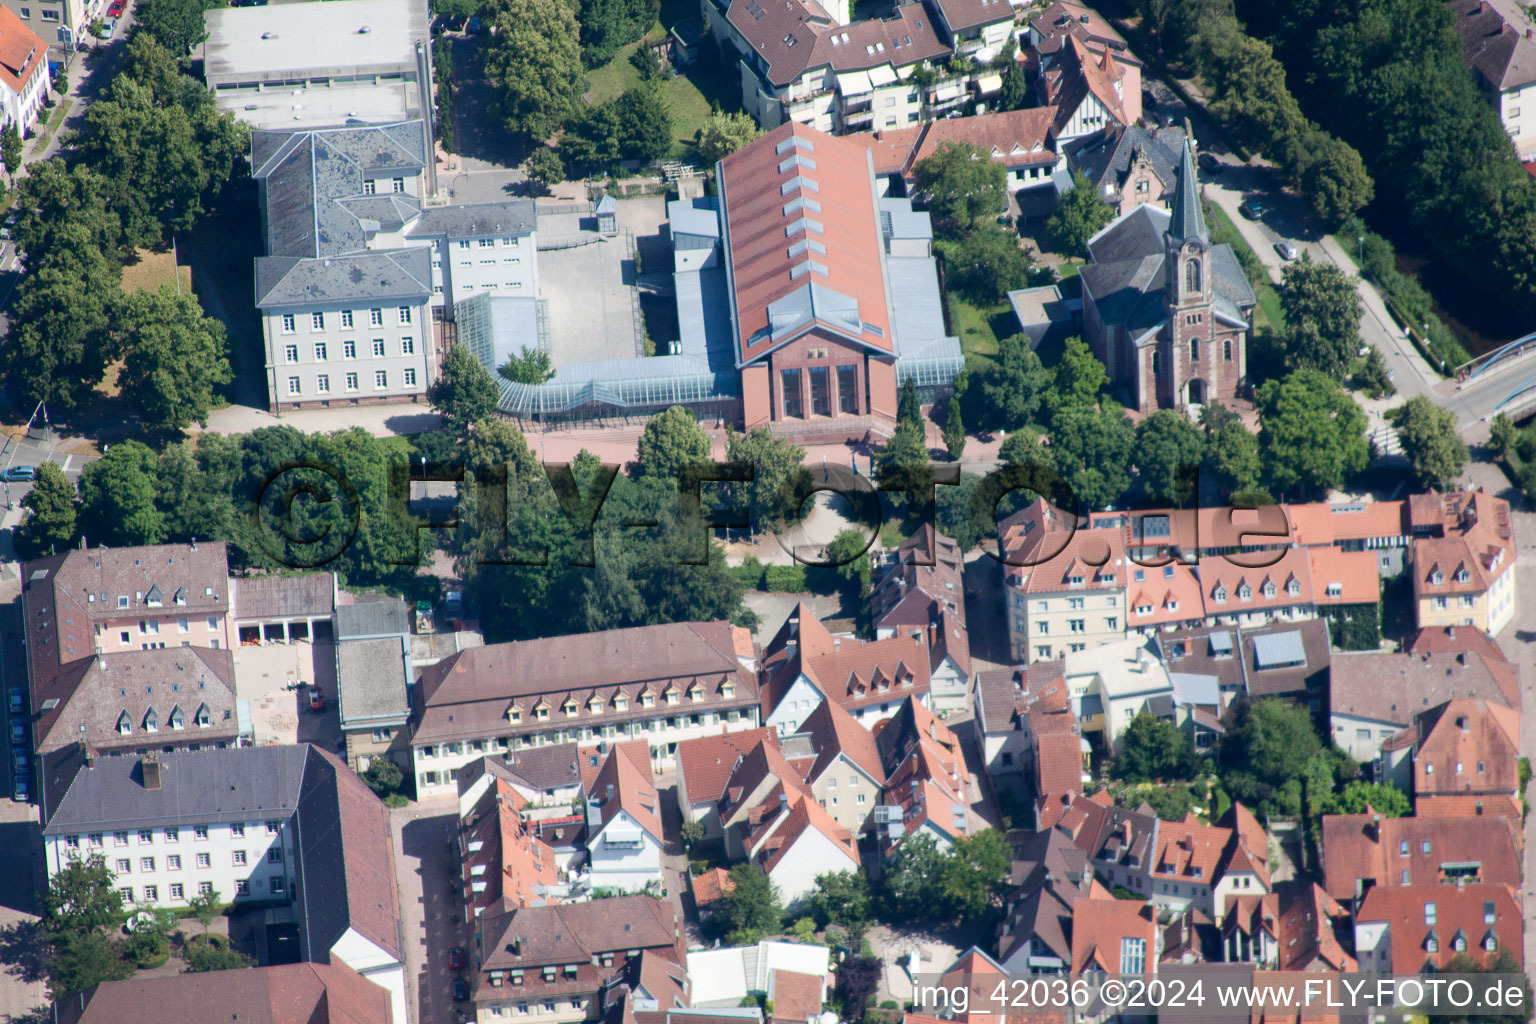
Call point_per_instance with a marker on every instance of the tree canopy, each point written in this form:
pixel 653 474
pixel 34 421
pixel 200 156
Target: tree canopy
pixel 609 25
pixel 1166 444
pixel 1312 433
pixel 464 392
pixel 1080 214
pixel 176 358
pixel 531 366
pixel 1431 441
pixel 1155 750
pixel 532 59
pixel 984 263
pixel 671 441
pixel 963 186
pixel 1267 747
pixel 723 134
pixel 1011 389
pixel 750 908
pixel 50 524
pixel 1322 317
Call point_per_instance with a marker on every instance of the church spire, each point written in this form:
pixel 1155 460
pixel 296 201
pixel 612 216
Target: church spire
pixel 1188 222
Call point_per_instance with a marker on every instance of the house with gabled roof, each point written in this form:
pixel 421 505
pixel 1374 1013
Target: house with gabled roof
pixel 848 775
pixel 793 840
pixel 704 768
pixel 624 839
pixel 1361 852
pixel 1090 91
pixel 1413 929
pixel 1463 557
pixel 304 993
pixel 924 588
pixel 1129 165
pixel 805 663
pixel 928 787
pixel 1022 141
pixel 505 863
pixel 1463 759
pixel 1498 43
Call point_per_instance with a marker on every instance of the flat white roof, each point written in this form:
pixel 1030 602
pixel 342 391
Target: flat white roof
pixel 716 975
pixel 328 37
pixel 288 108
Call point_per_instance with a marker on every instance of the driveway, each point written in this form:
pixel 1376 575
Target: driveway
pixel 22 988
pixel 431 909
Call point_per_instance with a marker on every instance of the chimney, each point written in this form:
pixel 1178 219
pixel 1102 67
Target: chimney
pixel 150 768
pixel 424 85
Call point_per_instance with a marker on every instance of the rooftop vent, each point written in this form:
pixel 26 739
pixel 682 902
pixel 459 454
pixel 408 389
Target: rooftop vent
pixel 269 35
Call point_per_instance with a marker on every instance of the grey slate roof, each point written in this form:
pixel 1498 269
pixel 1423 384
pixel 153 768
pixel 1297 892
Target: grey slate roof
pixel 1494 41
pixel 403 275
pixel 473 220
pixel 389 617
pixel 1108 155
pixel 197 787
pixel 1187 220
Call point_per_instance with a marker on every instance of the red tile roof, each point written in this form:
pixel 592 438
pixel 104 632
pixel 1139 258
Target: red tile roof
pixel 304 993
pixel 855 673
pixel 1014 138
pixel 832 176
pixel 1467 752
pixel 1305 928
pixel 1355 847
pixel 1474 914
pixel 796 36
pixel 21 52
pixel 705 764
pixel 785 820
pixel 1472 543
pixel 795 996
pixel 621 786
pixel 711 885
pixel 515 866
pixel 1098 928
pixel 834 731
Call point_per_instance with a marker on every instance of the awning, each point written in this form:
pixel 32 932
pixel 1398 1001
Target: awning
pixel 854 83
pixel 882 75
pixel 988 84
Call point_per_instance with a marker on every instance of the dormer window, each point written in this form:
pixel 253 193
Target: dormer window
pixel 151 721
pixel 1220 594
pixel 673 697
pixel 695 692
pixel 1268 589
pixel 1490 942
pixel 647 699
pixel 122 601
pixel 1462 576
pixel 621 703
pixel 1292 587
pixel 180 596
pixel 1244 592
pixel 569 707
pixel 1431 944
pixel 176 720
pixel 202 717
pixel 154 598
pixel 595 705
pixel 514 715
pixel 728 690
pixel 1436 577
pixel 124 724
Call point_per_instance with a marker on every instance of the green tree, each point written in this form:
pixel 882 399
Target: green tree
pixel 213 953
pixel 692 834
pixel 204 907
pixel 1231 449
pixel 50 524
pixel 1170 803
pixel 531 366
pixel 907 890
pixel 909 409
pixel 1371 375
pixel 1322 317
pixel 1011 388
pixel 1016 94
pixel 904 464
pixel 464 392
pixel 776 465
pixel 954 430
pixel 671 441
pixel 117 498
pixel 82 897
pixel 10 149
pixel 592 143
pixel 1383 798
pixel 985 263
pixel 58 341
pixel 1156 750
pixel 1167 443
pixel 1080 376
pixel 1502 434
pixel 177 25
pixel 858 979
pixel 1080 214
pixel 383 776
pixel 1248 83
pixel 750 909
pixel 1336 183
pixel 1267 746
pixel 1091 448
pixel 176 358
pixel 645 124
pixel 609 25
pixel 1023 448
pixel 723 134
pixel 848 552
pixel 975 873
pixel 963 186
pixel 1430 440
pixel 78 960
pixel 1311 435
pixel 544 166
pixel 841 898
pixel 65 208
pixel 532 59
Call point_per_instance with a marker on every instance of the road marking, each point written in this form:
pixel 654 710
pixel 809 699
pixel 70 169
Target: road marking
pixel 67 460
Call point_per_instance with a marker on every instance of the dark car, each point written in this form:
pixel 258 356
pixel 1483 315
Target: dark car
pixel 1209 164
pixel 460 990
pixel 456 958
pixel 16 473
pixel 1252 209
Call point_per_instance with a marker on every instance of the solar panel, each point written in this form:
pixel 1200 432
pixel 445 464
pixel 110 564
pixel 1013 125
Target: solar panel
pixel 1276 650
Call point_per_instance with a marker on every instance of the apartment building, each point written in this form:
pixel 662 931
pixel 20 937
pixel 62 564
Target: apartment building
pixel 1364 852
pixel 660 684
pixel 924 588
pixel 373 679
pixel 250 824
pixel 61 25
pixel 24 77
pixel 928 788
pixel 1020 140
pixel 1418 929
pixel 504 863
pixel 554 964
pixel 1463 559
pixel 623 835
pixel 847 776
pixel 129 648
pixel 310 993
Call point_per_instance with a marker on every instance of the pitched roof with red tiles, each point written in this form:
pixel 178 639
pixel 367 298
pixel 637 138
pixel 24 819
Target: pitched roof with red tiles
pixel 1013 138
pixel 1064 18
pixel 1283 584
pixel 710 886
pixel 855 673
pixel 706 762
pixel 1388 687
pixel 1164 596
pixel 784 821
pixel 795 996
pixel 925 589
pixel 1482 919
pixel 515 866
pixel 1045 553
pixel 304 993
pixel 1471 543
pixel 761 770
pixel 1305 928
pixel 834 731
pixel 1109 833
pixel 1099 928
pixel 1343 577
pixel 1356 847
pixel 1058 741
pixel 836 286
pixel 1190 850
pixel 1467 748
pixel 22 53
pixel 1078 73
pixel 620 786
pixel 590 759
pixel 1453 640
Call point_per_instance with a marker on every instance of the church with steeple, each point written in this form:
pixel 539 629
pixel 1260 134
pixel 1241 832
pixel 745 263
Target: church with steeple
pixel 1167 311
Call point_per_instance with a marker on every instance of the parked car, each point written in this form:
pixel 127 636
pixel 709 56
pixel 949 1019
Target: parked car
pixel 117 8
pixel 456 958
pixel 108 26
pixel 1209 164
pixel 1252 209
pixel 22 790
pixel 22 762
pixel 460 990
pixel 18 733
pixel 1286 250
pixel 16 473
pixel 316 699
pixel 18 700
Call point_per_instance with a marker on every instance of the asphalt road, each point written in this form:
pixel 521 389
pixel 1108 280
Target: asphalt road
pixel 31 452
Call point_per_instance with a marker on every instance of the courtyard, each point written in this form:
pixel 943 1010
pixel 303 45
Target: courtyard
pixel 274 679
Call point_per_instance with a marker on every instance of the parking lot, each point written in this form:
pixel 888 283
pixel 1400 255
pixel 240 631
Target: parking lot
pixel 275 678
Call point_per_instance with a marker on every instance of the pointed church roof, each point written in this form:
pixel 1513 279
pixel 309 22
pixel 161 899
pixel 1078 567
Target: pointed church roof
pixel 1188 221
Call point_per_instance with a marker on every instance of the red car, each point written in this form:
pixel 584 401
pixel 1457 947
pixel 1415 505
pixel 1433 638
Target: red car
pixel 456 958
pixel 316 699
pixel 117 8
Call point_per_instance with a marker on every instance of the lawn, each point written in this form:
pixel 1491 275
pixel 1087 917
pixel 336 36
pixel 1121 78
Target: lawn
pixel 977 326
pixel 155 269
pixel 1223 230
